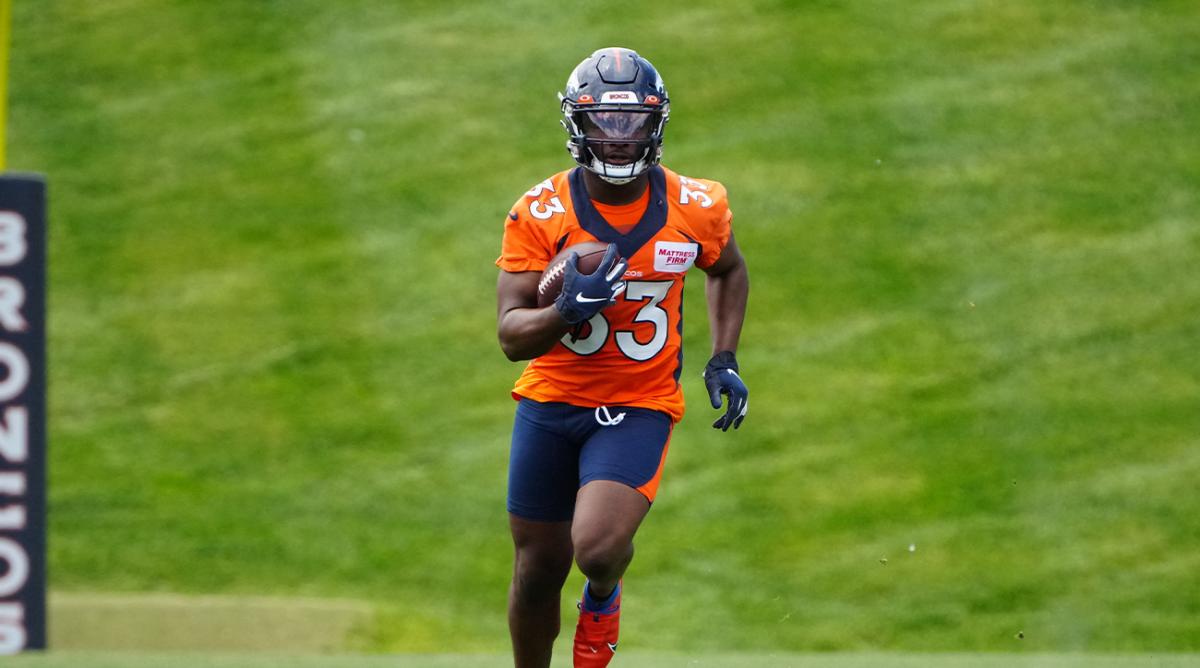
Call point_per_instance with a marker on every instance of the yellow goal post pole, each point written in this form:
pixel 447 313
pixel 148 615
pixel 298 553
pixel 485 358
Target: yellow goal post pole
pixel 5 33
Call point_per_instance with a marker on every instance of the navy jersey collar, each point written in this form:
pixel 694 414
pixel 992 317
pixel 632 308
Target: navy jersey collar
pixel 653 220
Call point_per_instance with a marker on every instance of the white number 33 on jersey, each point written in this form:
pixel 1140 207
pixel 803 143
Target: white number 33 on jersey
pixel 693 191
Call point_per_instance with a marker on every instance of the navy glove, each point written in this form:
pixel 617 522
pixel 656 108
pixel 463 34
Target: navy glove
pixel 584 295
pixel 721 377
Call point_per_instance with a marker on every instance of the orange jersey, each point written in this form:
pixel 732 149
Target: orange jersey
pixel 631 353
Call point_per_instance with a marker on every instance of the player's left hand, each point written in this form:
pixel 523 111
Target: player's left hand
pixel 721 378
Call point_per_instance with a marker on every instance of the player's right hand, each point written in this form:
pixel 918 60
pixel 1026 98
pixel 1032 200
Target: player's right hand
pixel 585 295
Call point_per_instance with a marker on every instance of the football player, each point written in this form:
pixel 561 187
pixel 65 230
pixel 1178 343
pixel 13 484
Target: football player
pixel 597 403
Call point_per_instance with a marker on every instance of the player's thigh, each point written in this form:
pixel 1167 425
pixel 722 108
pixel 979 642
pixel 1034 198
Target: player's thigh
pixel 607 515
pixel 619 469
pixel 543 466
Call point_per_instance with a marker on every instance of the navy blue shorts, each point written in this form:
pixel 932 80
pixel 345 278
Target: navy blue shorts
pixel 558 448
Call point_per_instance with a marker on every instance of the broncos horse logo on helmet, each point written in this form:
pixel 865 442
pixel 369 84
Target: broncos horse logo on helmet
pixel 615 101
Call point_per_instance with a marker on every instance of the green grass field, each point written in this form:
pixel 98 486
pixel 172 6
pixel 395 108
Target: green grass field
pixel 973 230
pixel 636 660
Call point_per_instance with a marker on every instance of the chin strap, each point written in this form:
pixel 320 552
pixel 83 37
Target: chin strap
pixel 601 169
pixel 616 181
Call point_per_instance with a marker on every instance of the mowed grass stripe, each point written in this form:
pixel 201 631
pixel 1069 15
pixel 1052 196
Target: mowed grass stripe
pixel 168 622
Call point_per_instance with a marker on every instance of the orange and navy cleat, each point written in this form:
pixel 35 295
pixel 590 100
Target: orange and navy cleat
pixel 597 630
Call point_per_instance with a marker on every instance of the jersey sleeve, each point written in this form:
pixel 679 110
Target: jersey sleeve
pixel 713 224
pixel 526 245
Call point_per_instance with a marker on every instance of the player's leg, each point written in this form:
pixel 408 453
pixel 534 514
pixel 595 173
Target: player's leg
pixel 540 567
pixel 542 482
pixel 607 515
pixel 620 467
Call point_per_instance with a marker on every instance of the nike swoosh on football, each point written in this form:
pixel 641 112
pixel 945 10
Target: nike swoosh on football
pixel 580 298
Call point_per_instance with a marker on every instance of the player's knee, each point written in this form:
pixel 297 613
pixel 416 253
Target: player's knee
pixel 538 574
pixel 602 558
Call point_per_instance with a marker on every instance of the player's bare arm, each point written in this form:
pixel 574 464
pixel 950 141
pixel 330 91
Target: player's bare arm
pixel 525 331
pixel 727 288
